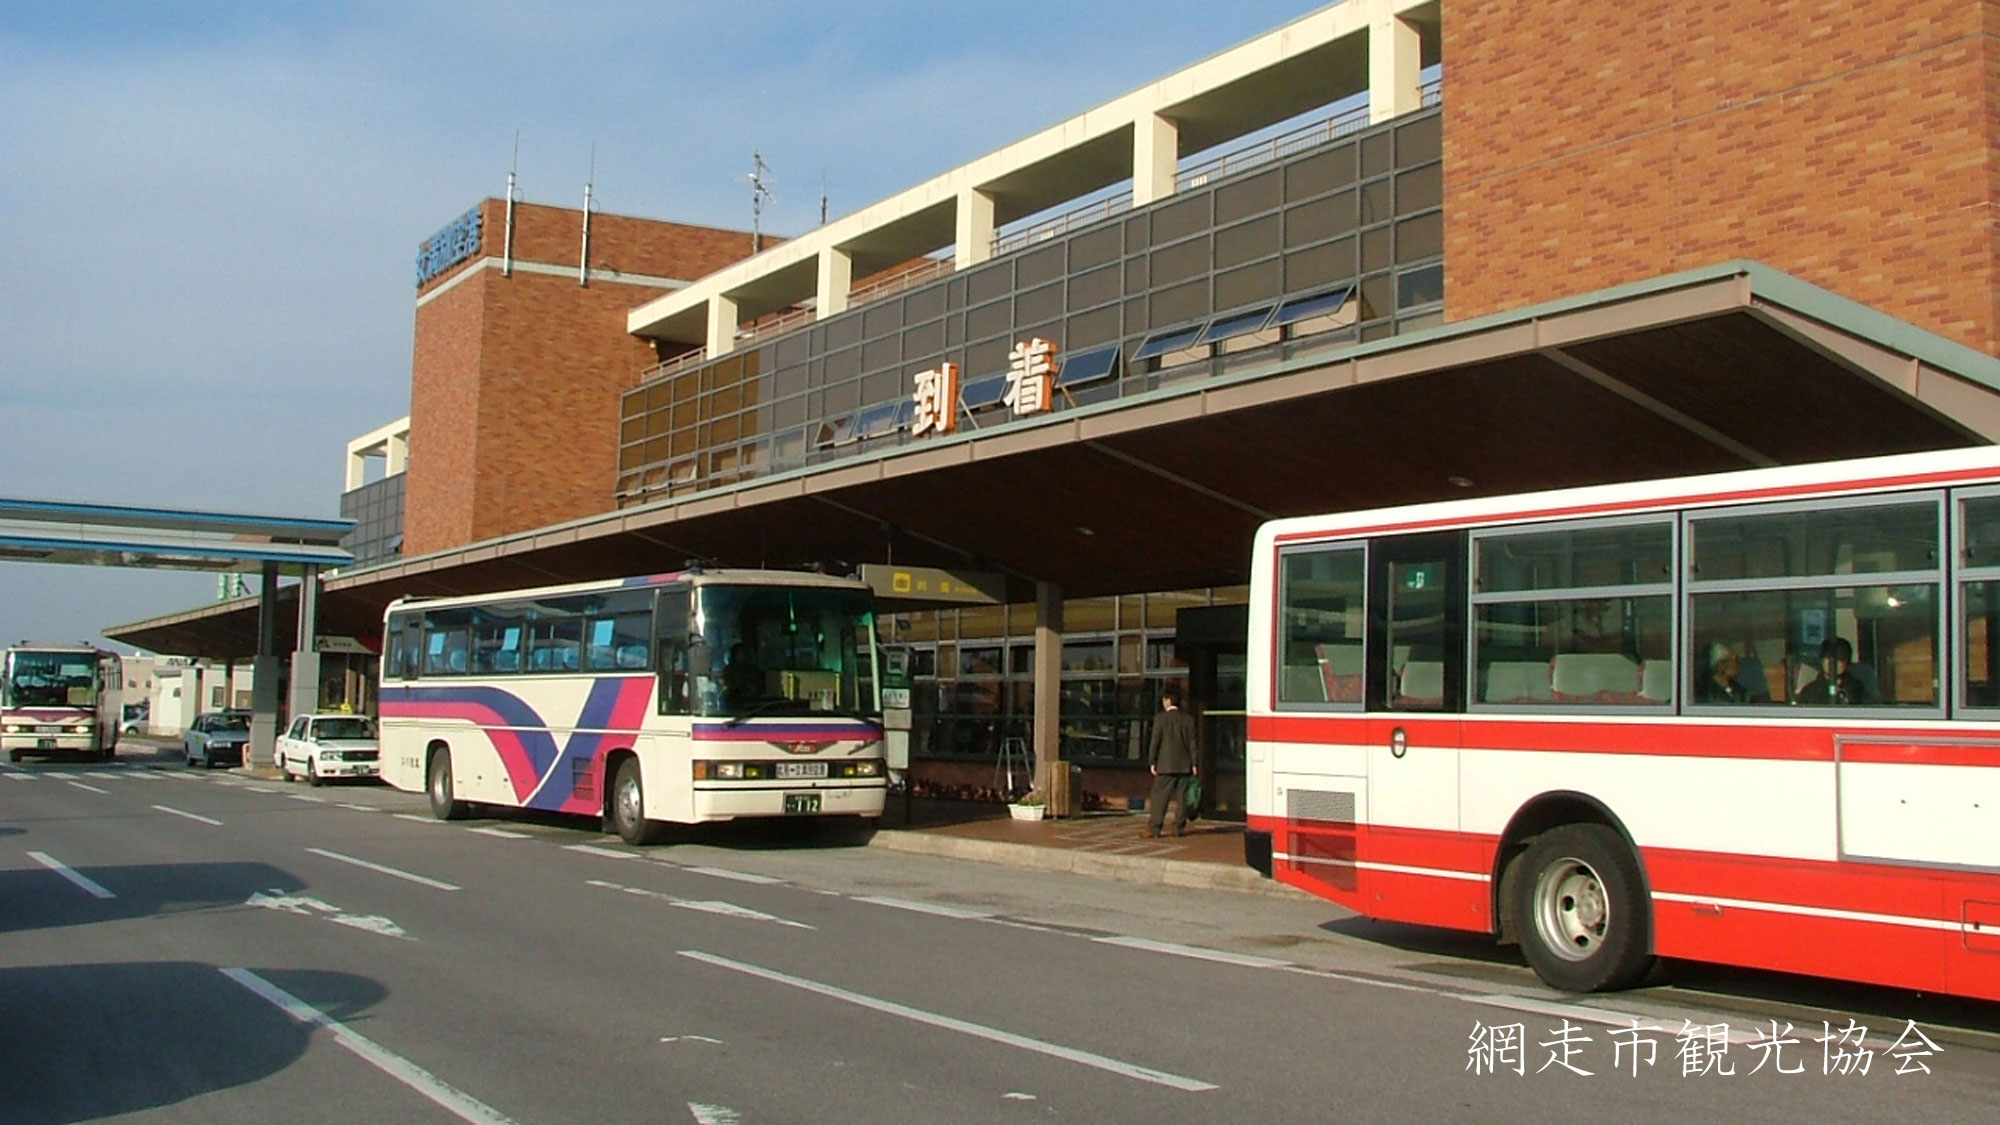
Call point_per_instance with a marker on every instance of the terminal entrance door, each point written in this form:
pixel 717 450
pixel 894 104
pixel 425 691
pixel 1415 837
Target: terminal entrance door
pixel 1213 640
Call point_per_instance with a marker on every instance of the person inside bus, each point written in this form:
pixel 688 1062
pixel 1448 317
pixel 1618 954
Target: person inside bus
pixel 1721 685
pixel 1837 682
pixel 742 679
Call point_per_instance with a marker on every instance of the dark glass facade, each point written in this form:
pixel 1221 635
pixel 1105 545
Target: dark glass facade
pixel 1337 243
pixel 377 511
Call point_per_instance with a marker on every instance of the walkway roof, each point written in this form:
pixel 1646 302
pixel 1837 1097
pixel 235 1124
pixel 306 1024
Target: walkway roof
pixel 166 538
pixel 1731 366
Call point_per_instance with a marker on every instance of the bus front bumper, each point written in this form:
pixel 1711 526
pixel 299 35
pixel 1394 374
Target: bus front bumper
pixel 731 801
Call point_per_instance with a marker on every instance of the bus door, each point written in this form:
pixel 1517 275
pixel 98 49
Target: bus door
pixel 1415 691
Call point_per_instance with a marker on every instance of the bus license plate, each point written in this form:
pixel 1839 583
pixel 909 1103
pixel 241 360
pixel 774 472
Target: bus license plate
pixel 801 803
pixel 789 770
pixel 45 744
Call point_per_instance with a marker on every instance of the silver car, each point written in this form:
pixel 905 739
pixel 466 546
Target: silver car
pixel 217 738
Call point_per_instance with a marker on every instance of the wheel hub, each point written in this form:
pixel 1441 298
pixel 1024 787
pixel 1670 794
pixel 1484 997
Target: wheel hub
pixel 1571 911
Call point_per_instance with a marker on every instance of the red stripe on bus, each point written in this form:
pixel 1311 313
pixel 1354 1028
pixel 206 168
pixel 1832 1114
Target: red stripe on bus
pixel 1678 740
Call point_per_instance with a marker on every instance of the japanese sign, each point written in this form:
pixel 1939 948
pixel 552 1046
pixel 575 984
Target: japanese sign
pixel 1696 1049
pixel 459 240
pixel 1031 373
pixel 937 401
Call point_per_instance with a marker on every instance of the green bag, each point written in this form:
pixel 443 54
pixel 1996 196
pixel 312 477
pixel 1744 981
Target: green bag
pixel 1191 799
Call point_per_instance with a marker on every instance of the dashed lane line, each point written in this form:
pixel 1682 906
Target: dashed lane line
pixel 422 880
pixel 189 815
pixel 95 889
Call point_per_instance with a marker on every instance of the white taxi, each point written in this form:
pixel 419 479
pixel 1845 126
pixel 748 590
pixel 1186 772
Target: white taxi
pixel 325 747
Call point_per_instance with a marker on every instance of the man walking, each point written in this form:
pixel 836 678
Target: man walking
pixel 1170 753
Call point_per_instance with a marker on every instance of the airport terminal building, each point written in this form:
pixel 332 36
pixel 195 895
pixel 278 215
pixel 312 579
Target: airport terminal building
pixel 1392 251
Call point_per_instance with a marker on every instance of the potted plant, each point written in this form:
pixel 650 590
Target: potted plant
pixel 1031 807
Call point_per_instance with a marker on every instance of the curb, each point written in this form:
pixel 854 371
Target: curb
pixel 1130 869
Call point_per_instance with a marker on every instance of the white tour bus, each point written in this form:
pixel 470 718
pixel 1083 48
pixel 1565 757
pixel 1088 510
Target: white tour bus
pixel 59 699
pixel 675 698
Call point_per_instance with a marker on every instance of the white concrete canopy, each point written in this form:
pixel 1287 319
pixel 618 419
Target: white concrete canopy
pixel 1344 49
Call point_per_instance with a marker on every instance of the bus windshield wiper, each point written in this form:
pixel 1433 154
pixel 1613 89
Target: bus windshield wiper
pixel 761 707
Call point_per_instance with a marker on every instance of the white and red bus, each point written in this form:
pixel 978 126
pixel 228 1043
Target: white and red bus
pixel 59 700
pixel 1750 718
pixel 675 698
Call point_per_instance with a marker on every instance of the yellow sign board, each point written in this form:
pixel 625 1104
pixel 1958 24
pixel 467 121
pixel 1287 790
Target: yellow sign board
pixel 930 584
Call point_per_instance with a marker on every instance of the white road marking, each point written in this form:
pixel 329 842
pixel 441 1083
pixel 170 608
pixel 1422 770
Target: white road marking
pixel 705 1114
pixel 706 906
pixel 422 879
pixel 418 819
pixel 314 908
pixel 176 776
pixel 148 775
pixel 457 1102
pixel 593 849
pixel 739 876
pixel 189 815
pixel 14 776
pixel 965 1027
pixel 1244 959
pixel 358 808
pixel 92 788
pixel 689 1039
pixel 1017 1096
pixel 306 797
pixel 259 789
pixel 112 774
pixel 502 833
pixel 96 889
pixel 927 908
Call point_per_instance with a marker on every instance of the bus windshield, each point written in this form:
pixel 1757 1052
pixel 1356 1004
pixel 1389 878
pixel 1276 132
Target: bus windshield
pixel 50 679
pixel 778 650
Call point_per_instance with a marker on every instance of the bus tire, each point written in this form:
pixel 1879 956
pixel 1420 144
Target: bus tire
pixel 628 807
pixel 1585 924
pixel 444 805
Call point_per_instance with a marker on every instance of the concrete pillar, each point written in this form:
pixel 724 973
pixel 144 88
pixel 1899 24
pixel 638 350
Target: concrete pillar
pixel 722 322
pixel 357 469
pixel 1156 155
pixel 305 659
pixel 1048 683
pixel 836 280
pixel 264 689
pixel 1395 65
pixel 397 455
pixel 975 228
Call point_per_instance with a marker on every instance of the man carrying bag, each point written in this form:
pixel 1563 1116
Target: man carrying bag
pixel 1170 754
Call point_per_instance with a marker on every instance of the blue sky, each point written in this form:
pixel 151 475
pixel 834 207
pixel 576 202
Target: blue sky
pixel 209 211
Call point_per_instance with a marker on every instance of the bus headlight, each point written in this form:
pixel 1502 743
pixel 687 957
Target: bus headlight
pixel 17 728
pixel 718 771
pixel 79 728
pixel 867 767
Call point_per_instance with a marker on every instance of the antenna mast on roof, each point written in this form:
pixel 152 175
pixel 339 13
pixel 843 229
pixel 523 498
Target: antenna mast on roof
pixel 583 263
pixel 822 197
pixel 507 254
pixel 760 190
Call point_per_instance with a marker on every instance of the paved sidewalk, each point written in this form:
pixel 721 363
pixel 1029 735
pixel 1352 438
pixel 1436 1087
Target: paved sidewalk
pixel 1105 844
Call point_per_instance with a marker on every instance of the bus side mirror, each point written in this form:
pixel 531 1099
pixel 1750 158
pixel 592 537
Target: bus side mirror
pixel 700 661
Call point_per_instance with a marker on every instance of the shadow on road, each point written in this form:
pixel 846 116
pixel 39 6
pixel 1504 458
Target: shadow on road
pixel 98 1040
pixel 38 898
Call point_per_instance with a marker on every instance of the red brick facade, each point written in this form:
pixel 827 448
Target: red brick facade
pixel 1851 143
pixel 515 381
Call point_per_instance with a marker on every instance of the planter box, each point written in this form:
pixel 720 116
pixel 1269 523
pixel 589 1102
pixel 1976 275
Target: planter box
pixel 1027 812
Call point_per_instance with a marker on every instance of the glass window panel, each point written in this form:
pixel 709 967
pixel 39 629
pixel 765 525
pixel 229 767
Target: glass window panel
pixel 1096 655
pixel 1420 287
pixel 1309 308
pixel 1088 367
pixel 1089 615
pixel 982 394
pixel 1981 534
pixel 1979 609
pixel 1416 636
pixel 979 660
pixel 1574 558
pixel 1161 343
pixel 1238 324
pixel 1321 626
pixel 1872 539
pixel 1865 645
pixel 1575 651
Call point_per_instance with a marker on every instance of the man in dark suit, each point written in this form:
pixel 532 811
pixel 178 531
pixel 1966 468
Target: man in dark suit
pixel 1170 753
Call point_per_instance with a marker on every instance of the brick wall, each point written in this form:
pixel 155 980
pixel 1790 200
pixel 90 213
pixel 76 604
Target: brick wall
pixel 1849 142
pixel 515 381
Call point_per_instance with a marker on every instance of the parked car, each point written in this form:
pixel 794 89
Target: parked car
pixel 323 748
pixel 217 738
pixel 137 716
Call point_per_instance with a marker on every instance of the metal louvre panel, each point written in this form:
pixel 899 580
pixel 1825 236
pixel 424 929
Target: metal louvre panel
pixel 1317 804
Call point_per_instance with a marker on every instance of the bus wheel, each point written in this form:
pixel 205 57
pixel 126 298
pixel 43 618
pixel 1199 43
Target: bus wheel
pixel 443 805
pixel 628 807
pixel 1585 925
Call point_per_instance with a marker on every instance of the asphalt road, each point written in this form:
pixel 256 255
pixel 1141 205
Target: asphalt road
pixel 187 946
